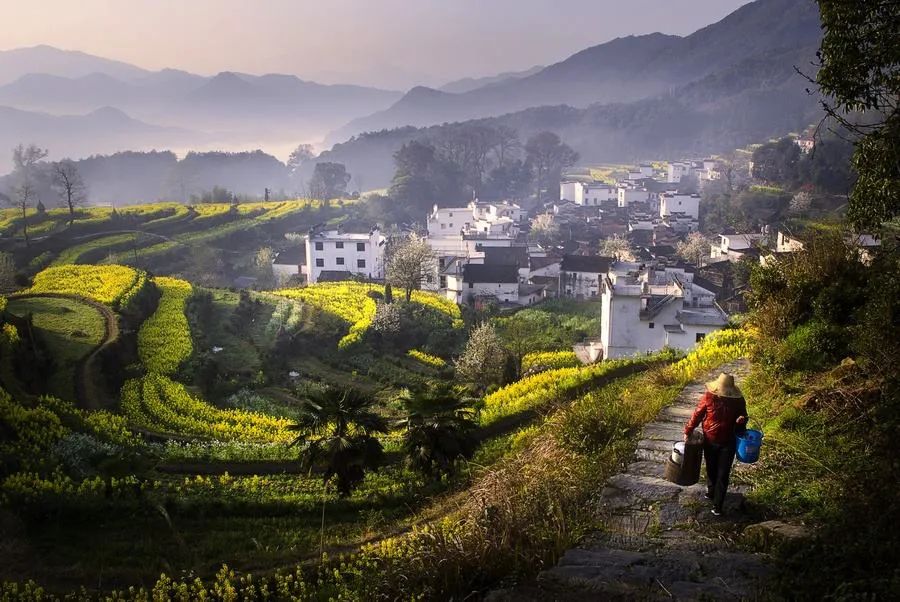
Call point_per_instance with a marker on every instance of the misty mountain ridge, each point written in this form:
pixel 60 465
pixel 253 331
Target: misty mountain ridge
pixel 236 108
pixel 104 130
pixel 752 100
pixel 467 84
pixel 625 69
pixel 67 63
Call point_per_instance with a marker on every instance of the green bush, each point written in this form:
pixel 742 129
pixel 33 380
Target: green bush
pixel 811 346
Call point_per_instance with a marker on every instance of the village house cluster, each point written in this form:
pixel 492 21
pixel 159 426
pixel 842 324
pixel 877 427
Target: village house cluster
pixel 488 256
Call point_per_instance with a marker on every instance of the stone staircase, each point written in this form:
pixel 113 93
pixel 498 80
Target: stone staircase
pixel 658 540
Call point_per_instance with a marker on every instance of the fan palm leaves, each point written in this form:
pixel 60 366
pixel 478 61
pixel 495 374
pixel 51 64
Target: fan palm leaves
pixel 337 431
pixel 438 429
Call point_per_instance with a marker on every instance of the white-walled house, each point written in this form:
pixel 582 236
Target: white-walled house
pixel 625 195
pixel 677 170
pixel 581 276
pixel 587 194
pixel 675 202
pixel 449 220
pixel 358 254
pixel 572 191
pixel 597 194
pixel 645 310
pixel 787 243
pixel 465 281
pixel 458 231
pixel 733 247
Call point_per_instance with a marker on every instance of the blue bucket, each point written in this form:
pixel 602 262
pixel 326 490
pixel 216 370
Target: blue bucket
pixel 748 444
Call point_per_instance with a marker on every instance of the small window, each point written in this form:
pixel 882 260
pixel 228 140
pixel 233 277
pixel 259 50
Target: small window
pixel 451 214
pixel 340 261
pixel 471 285
pixel 320 263
pixel 651 325
pixel 360 263
pixel 443 226
pixel 338 245
pixel 319 246
pixel 361 246
pixel 699 337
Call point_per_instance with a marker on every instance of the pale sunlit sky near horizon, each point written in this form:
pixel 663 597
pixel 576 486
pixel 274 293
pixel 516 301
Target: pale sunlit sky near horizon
pixel 387 43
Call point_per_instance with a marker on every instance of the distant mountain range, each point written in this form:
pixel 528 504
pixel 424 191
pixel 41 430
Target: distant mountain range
pixel 623 70
pixel 229 109
pixel 635 97
pixel 103 130
pixel 65 63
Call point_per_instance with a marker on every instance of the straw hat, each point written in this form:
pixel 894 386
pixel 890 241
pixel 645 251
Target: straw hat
pixel 724 386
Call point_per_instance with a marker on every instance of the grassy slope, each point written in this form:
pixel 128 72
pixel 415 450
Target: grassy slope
pixel 69 328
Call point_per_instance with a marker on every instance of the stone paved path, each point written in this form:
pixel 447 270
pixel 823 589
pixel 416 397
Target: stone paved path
pixel 659 540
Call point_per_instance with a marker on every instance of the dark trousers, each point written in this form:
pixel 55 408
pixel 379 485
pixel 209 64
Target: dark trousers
pixel 719 459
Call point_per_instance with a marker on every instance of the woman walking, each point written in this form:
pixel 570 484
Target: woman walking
pixel 723 413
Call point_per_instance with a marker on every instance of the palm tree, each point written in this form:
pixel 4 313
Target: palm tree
pixel 337 431
pixel 439 429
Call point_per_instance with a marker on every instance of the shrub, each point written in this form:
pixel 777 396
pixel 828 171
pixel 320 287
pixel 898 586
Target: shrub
pixel 810 346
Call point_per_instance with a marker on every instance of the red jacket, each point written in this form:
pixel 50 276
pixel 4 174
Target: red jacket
pixel 719 416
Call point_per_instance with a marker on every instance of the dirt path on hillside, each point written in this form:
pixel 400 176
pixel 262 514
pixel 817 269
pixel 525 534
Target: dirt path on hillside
pixel 658 540
pixel 89 394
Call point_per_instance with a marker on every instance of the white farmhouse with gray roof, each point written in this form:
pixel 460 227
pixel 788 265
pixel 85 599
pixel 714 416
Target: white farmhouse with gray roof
pixel 646 309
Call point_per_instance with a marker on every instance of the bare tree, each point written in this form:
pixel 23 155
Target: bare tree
pixel 25 158
pixel 548 157
pixel 7 273
pixel 694 248
pixel 299 156
pixel 508 146
pixel 617 246
pixel 411 263
pixel 544 228
pixel 70 186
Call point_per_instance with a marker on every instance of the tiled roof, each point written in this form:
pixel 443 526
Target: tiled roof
pixel 517 256
pixel 292 256
pixel 483 273
pixel 594 264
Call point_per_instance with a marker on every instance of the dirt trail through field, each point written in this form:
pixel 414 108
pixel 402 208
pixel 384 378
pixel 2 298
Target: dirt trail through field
pixel 88 390
pixel 658 540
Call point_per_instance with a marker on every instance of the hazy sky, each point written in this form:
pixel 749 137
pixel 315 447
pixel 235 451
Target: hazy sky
pixel 389 43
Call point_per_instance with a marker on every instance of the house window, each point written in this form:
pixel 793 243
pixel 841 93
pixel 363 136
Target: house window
pixel 338 245
pixel 319 246
pixel 651 325
pixel 361 247
pixel 451 214
pixel 320 263
pixel 471 285
pixel 360 263
pixel 443 226
pixel 339 261
pixel 699 337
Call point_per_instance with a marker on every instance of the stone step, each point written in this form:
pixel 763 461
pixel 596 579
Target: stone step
pixel 650 489
pixel 671 431
pixel 681 574
pixel 655 445
pixel 680 412
pixel 652 455
pixel 647 468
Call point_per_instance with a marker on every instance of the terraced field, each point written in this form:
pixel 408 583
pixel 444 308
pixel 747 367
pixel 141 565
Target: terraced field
pixel 72 329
